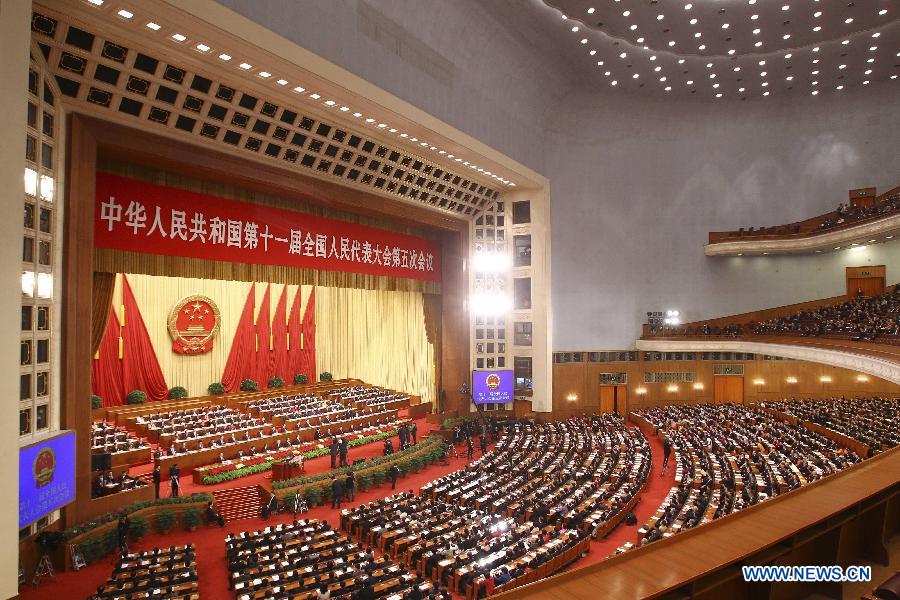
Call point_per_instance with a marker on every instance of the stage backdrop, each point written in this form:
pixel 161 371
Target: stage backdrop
pixel 374 335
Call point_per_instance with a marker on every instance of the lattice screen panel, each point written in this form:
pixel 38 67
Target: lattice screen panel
pixel 103 73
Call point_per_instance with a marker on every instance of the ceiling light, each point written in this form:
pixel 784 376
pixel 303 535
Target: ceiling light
pixel 751 1
pixel 715 86
pixel 817 28
pixel 815 83
pixel 653 57
pixel 316 97
pixel 765 83
pixel 688 6
pixel 842 66
pixel 599 63
pixel 840 87
pixel 816 49
pixel 382 125
pixel 623 55
pixel 153 26
pixel 671 42
pixel 788 55
pixel 178 37
pixel 299 89
pixel 736 69
pixel 712 75
pixel 765 93
pixel 225 57
pixel 668 88
pixel 848 21
pixel 698 34
pixel 633 27
pixel 202 47
pixel 613 82
pixel 868 72
pixel 690 82
pixel 754 17
pixel 125 14
pixel 814 92
pixel 635 76
pixel 709 65
pixel 786 36
pixel 245 66
pixel 657 69
pixel 584 40
pixel 327 102
pixel 593 52
pixel 876 34
pixel 693 21
pixel 265 74
pixel 659 17
pixel 871 60
pixel 758 44
pixel 724 25
pixel 370 120
pixel 719 95
pixel 785 7
pixel 96 2
pixel 741 89
pixel 406 135
pixel 731 51
pixel 789 78
pixel 680 61
pixel 662 79
pixel 873 48
pixel 344 109
pixel 882 12
pixel 591 10
pixel 817 14
pixel 756 31
pixel 282 82
pixel 575 29
pixel 814 73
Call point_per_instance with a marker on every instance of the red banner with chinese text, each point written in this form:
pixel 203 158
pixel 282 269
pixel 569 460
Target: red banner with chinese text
pixel 137 216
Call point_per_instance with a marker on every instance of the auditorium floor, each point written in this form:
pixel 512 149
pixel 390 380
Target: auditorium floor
pixel 210 547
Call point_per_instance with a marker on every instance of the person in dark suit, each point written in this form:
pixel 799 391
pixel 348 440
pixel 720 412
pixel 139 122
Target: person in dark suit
pixel 350 486
pixel 413 431
pixel 482 441
pixel 337 492
pixel 402 435
pixel 342 450
pixel 334 452
pixel 157 479
pixel 394 473
pixel 667 451
pixel 470 447
pixel 175 479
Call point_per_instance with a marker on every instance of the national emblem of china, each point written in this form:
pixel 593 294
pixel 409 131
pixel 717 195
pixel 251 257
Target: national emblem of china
pixel 193 325
pixel 44 467
pixel 493 381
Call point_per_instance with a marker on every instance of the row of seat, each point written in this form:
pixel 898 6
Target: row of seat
pixel 158 573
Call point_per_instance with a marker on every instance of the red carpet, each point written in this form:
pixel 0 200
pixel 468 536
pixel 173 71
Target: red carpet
pixel 210 544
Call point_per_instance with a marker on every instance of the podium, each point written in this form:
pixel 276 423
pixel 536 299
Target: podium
pixel 286 470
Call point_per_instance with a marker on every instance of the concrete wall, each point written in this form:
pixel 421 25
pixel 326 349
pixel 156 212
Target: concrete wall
pixel 636 184
pixel 15 35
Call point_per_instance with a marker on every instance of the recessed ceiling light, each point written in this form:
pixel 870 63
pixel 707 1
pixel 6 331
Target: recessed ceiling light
pixel 623 55
pixel 709 65
pixel 668 88
pixel 817 28
pixel 765 93
pixel 599 63
pixel 756 31
pixel 635 76
pixel 840 87
pixel 786 36
pixel 817 14
pixel 608 73
pixel 202 47
pixel 225 57
pixel 282 82
pixel 690 82
pixel 724 25
pixel 814 73
pixel 876 34
pixel 814 92
pixel 715 86
pixel 712 75
pixel 125 14
pixel 785 7
pixel 661 17
pixel 327 102
pixel 640 40
pixel 741 89
pixel 754 17
pixel 731 51
pixel 662 79
pixel 178 37
pixel 763 74
pixel 299 89
pixel 265 74
pixel 842 66
pixel 626 13
pixel 406 135
pixel 370 120
pixel 764 83
pixel 96 2
pixel 868 71
pixel 347 109
pixel 316 97
pixel 788 55
pixel 633 27
pixel 758 44
pixel 736 69
pixel 688 6
pixel 693 21
pixel 815 83
pixel 871 60
pixel 593 52
pixel 584 40
pixel 153 26
pixel 698 34
pixel 789 78
pixel 382 125
pixel 873 48
pixel 575 29
pixel 653 57
pixel 680 61
pixel 845 42
pixel 671 42
pixel 848 20
pixel 245 66
pixel 888 237
pixel 613 82
pixel 882 12
pixel 591 10
pixel 816 49
pixel 657 69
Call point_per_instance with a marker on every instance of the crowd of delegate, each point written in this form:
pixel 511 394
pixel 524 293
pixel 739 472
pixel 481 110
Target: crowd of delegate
pixel 873 421
pixel 158 573
pixel 847 214
pixel 112 439
pixel 309 559
pixel 728 457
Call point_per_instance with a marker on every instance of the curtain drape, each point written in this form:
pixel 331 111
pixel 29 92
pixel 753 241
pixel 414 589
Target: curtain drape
pixel 140 367
pixel 241 363
pixel 377 336
pixel 106 367
pixel 279 362
pixel 308 330
pixel 296 360
pixel 263 340
pixel 101 300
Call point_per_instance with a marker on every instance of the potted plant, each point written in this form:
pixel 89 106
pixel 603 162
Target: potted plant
pixel 364 481
pixel 314 496
pixel 136 397
pixel 96 402
pixel 165 520
pixel 325 376
pixel 379 476
pixel 276 382
pixel 216 389
pixel 248 385
pixel 190 518
pixel 178 393
pixel 300 379
pixel 138 527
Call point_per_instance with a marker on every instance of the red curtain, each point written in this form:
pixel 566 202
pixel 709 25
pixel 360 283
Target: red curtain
pixel 309 337
pixel 263 333
pixel 106 368
pixel 280 360
pixel 295 352
pixel 240 364
pixel 140 367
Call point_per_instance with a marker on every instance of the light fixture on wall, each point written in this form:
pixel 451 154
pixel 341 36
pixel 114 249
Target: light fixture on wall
pixel 791 379
pixel 862 378
pixel 825 378
pixel 698 386
pixel 759 381
pixel 673 317
pixel 672 388
pixel 572 397
pixel 641 391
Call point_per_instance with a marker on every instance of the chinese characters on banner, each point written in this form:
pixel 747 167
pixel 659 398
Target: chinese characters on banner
pixel 143 217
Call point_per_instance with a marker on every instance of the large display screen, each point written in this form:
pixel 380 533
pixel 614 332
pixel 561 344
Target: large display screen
pixel 492 386
pixel 46 477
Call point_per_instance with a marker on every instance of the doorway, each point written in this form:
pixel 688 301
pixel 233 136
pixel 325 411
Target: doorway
pixel 728 388
pixel 865 281
pixel 613 398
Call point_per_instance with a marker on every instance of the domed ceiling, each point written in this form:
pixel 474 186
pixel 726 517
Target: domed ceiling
pixel 733 49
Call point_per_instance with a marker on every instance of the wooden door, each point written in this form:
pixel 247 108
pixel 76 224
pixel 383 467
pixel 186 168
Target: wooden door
pixel 728 388
pixel 865 281
pixel 607 398
pixel 622 400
